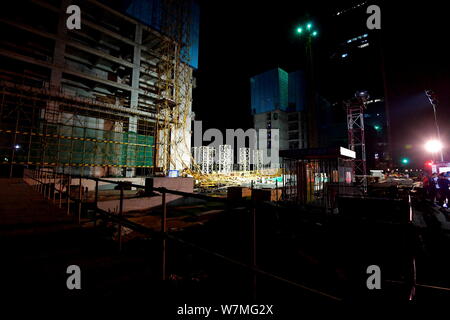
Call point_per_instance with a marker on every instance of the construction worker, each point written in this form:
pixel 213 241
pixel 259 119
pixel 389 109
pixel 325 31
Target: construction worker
pixel 431 187
pixel 444 190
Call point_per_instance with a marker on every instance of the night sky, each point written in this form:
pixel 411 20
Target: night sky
pixel 239 39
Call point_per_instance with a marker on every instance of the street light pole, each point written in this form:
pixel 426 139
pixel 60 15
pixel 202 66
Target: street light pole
pixel 430 94
pixel 437 131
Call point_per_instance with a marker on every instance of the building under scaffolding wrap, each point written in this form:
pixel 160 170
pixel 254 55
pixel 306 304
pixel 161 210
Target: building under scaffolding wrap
pixel 110 99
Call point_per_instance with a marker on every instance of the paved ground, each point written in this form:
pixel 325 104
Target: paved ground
pixel 23 208
pixel 38 242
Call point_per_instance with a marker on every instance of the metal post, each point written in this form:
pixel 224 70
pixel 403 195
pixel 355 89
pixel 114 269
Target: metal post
pixel 49 189
pixel 60 189
pixel 35 179
pixel 253 241
pixel 276 189
pixel 96 202
pixel 42 182
pixel 54 185
pixel 253 244
pixel 39 188
pixel 163 233
pixel 120 215
pixel 47 186
pixel 68 194
pixel 44 189
pixel 80 195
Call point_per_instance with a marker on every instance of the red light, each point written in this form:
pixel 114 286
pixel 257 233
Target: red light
pixel 429 163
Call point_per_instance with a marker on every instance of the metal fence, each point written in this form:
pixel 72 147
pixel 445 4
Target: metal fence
pixel 318 181
pixel 66 191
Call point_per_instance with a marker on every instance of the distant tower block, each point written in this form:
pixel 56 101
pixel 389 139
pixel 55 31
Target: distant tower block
pixel 257 160
pixel 225 159
pixel 244 159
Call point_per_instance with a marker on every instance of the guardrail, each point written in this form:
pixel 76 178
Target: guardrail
pixel 50 182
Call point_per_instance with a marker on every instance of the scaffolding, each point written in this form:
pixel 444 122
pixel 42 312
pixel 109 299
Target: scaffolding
pixel 225 159
pixel 195 156
pixel 49 128
pixel 244 159
pixel 174 87
pixel 204 158
pixel 257 160
pixel 68 101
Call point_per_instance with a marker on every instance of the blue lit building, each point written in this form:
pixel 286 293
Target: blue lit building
pixel 153 13
pixel 278 102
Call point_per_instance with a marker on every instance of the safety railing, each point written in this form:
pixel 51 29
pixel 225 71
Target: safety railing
pixel 56 187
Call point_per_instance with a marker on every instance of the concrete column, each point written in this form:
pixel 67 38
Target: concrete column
pixel 133 123
pixel 60 48
pixel 136 65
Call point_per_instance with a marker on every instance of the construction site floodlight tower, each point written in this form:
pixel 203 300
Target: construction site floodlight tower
pixel 356 137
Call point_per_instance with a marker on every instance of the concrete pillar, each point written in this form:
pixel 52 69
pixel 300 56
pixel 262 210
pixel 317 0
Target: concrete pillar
pixel 136 65
pixel 60 48
pixel 132 125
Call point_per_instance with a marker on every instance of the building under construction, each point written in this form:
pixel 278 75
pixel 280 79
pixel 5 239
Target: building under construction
pixel 112 98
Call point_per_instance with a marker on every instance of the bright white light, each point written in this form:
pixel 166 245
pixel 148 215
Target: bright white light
pixel 17 146
pixel 433 146
pixel 344 55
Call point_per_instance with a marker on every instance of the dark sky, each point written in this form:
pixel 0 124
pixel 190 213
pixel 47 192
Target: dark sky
pixel 239 39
